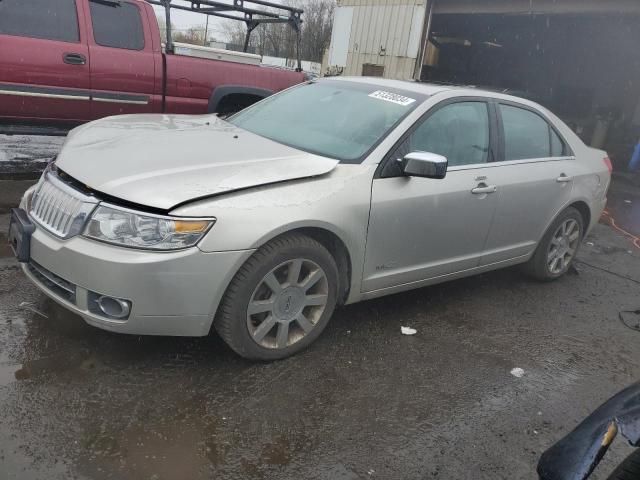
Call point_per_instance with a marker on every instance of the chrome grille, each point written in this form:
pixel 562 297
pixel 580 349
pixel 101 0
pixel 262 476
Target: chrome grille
pixel 59 208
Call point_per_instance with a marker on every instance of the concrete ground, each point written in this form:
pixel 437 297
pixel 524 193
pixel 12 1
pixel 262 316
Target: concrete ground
pixel 363 402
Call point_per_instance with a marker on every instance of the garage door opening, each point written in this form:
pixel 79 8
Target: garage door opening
pixel 585 67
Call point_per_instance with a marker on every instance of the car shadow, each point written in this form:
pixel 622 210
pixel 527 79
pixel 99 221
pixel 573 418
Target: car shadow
pixel 54 333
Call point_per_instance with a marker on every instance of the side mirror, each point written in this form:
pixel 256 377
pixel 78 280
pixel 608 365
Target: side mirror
pixel 424 164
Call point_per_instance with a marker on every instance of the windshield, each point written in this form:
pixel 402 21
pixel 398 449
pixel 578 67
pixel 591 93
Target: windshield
pixel 337 119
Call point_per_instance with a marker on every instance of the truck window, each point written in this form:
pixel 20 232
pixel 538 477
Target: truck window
pixel 47 19
pixel 117 25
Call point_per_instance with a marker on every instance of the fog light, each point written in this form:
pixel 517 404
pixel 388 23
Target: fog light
pixel 113 307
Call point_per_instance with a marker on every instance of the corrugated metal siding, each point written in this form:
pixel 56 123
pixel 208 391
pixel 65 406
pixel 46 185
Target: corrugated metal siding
pixel 380 35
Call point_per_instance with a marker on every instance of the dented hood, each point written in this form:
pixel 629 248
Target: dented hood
pixel 164 160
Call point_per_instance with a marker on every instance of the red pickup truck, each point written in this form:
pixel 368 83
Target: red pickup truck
pixel 65 62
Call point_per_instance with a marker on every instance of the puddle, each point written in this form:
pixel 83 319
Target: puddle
pixel 52 364
pixel 8 373
pixel 11 372
pixel 30 349
pixel 191 445
pixel 5 249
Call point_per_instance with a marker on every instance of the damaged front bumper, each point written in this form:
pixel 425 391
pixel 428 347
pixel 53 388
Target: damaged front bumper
pixel 170 293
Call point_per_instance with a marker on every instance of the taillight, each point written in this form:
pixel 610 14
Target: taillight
pixel 607 162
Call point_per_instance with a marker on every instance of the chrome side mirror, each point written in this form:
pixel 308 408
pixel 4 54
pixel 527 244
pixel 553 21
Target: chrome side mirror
pixel 424 164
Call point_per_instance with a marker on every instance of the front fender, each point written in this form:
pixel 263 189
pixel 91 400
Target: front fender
pixel 338 202
pixel 575 456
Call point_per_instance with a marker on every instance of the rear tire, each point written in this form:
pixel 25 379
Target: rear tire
pixel 280 300
pixel 629 469
pixel 558 247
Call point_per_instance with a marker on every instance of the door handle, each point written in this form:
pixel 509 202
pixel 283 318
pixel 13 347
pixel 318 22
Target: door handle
pixel 564 179
pixel 74 59
pixel 483 188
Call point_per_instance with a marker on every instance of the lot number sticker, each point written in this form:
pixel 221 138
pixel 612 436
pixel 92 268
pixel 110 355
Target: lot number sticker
pixel 392 97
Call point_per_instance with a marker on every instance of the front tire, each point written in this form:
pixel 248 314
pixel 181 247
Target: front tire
pixel 558 247
pixel 280 300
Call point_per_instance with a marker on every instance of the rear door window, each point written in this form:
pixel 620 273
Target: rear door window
pixel 558 148
pixel 117 25
pixel 46 19
pixel 526 134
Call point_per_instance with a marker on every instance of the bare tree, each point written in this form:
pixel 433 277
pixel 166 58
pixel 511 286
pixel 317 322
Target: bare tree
pixel 316 28
pixel 192 35
pixel 234 31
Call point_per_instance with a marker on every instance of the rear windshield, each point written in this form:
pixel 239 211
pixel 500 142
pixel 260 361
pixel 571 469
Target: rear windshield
pixel 337 119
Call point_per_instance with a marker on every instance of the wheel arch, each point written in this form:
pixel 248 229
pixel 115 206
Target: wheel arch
pixel 333 241
pixel 583 208
pixel 223 92
pixel 323 235
pixel 585 212
pixel 537 261
pixel 338 250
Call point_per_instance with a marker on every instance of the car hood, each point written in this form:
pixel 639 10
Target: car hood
pixel 161 161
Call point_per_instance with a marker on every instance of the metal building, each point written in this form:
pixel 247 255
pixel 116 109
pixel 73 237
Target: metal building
pixel 378 38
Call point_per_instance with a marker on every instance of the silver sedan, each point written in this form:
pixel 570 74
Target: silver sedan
pixel 329 193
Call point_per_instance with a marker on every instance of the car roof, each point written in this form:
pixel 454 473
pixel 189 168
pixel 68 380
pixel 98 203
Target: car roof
pixel 430 89
pixel 423 88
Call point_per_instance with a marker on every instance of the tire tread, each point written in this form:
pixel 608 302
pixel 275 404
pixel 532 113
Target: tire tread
pixel 536 267
pixel 629 469
pixel 224 319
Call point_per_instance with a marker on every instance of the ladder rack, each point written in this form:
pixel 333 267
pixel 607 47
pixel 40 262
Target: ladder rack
pixel 248 11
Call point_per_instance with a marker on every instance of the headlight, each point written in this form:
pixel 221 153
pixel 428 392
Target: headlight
pixel 139 230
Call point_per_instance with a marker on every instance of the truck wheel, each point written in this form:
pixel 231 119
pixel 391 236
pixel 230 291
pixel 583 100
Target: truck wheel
pixel 629 469
pixel 280 300
pixel 558 247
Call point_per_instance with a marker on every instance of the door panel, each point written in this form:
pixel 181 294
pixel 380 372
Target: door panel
pixel 536 178
pixel 422 228
pixel 123 70
pixel 45 67
pixel 529 198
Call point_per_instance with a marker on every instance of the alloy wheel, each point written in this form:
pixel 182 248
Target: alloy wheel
pixel 564 244
pixel 287 303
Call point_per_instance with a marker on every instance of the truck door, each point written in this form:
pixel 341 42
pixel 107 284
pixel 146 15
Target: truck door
pixel 44 61
pixel 122 55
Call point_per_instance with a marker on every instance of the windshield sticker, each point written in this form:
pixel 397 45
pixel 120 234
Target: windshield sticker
pixel 392 97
